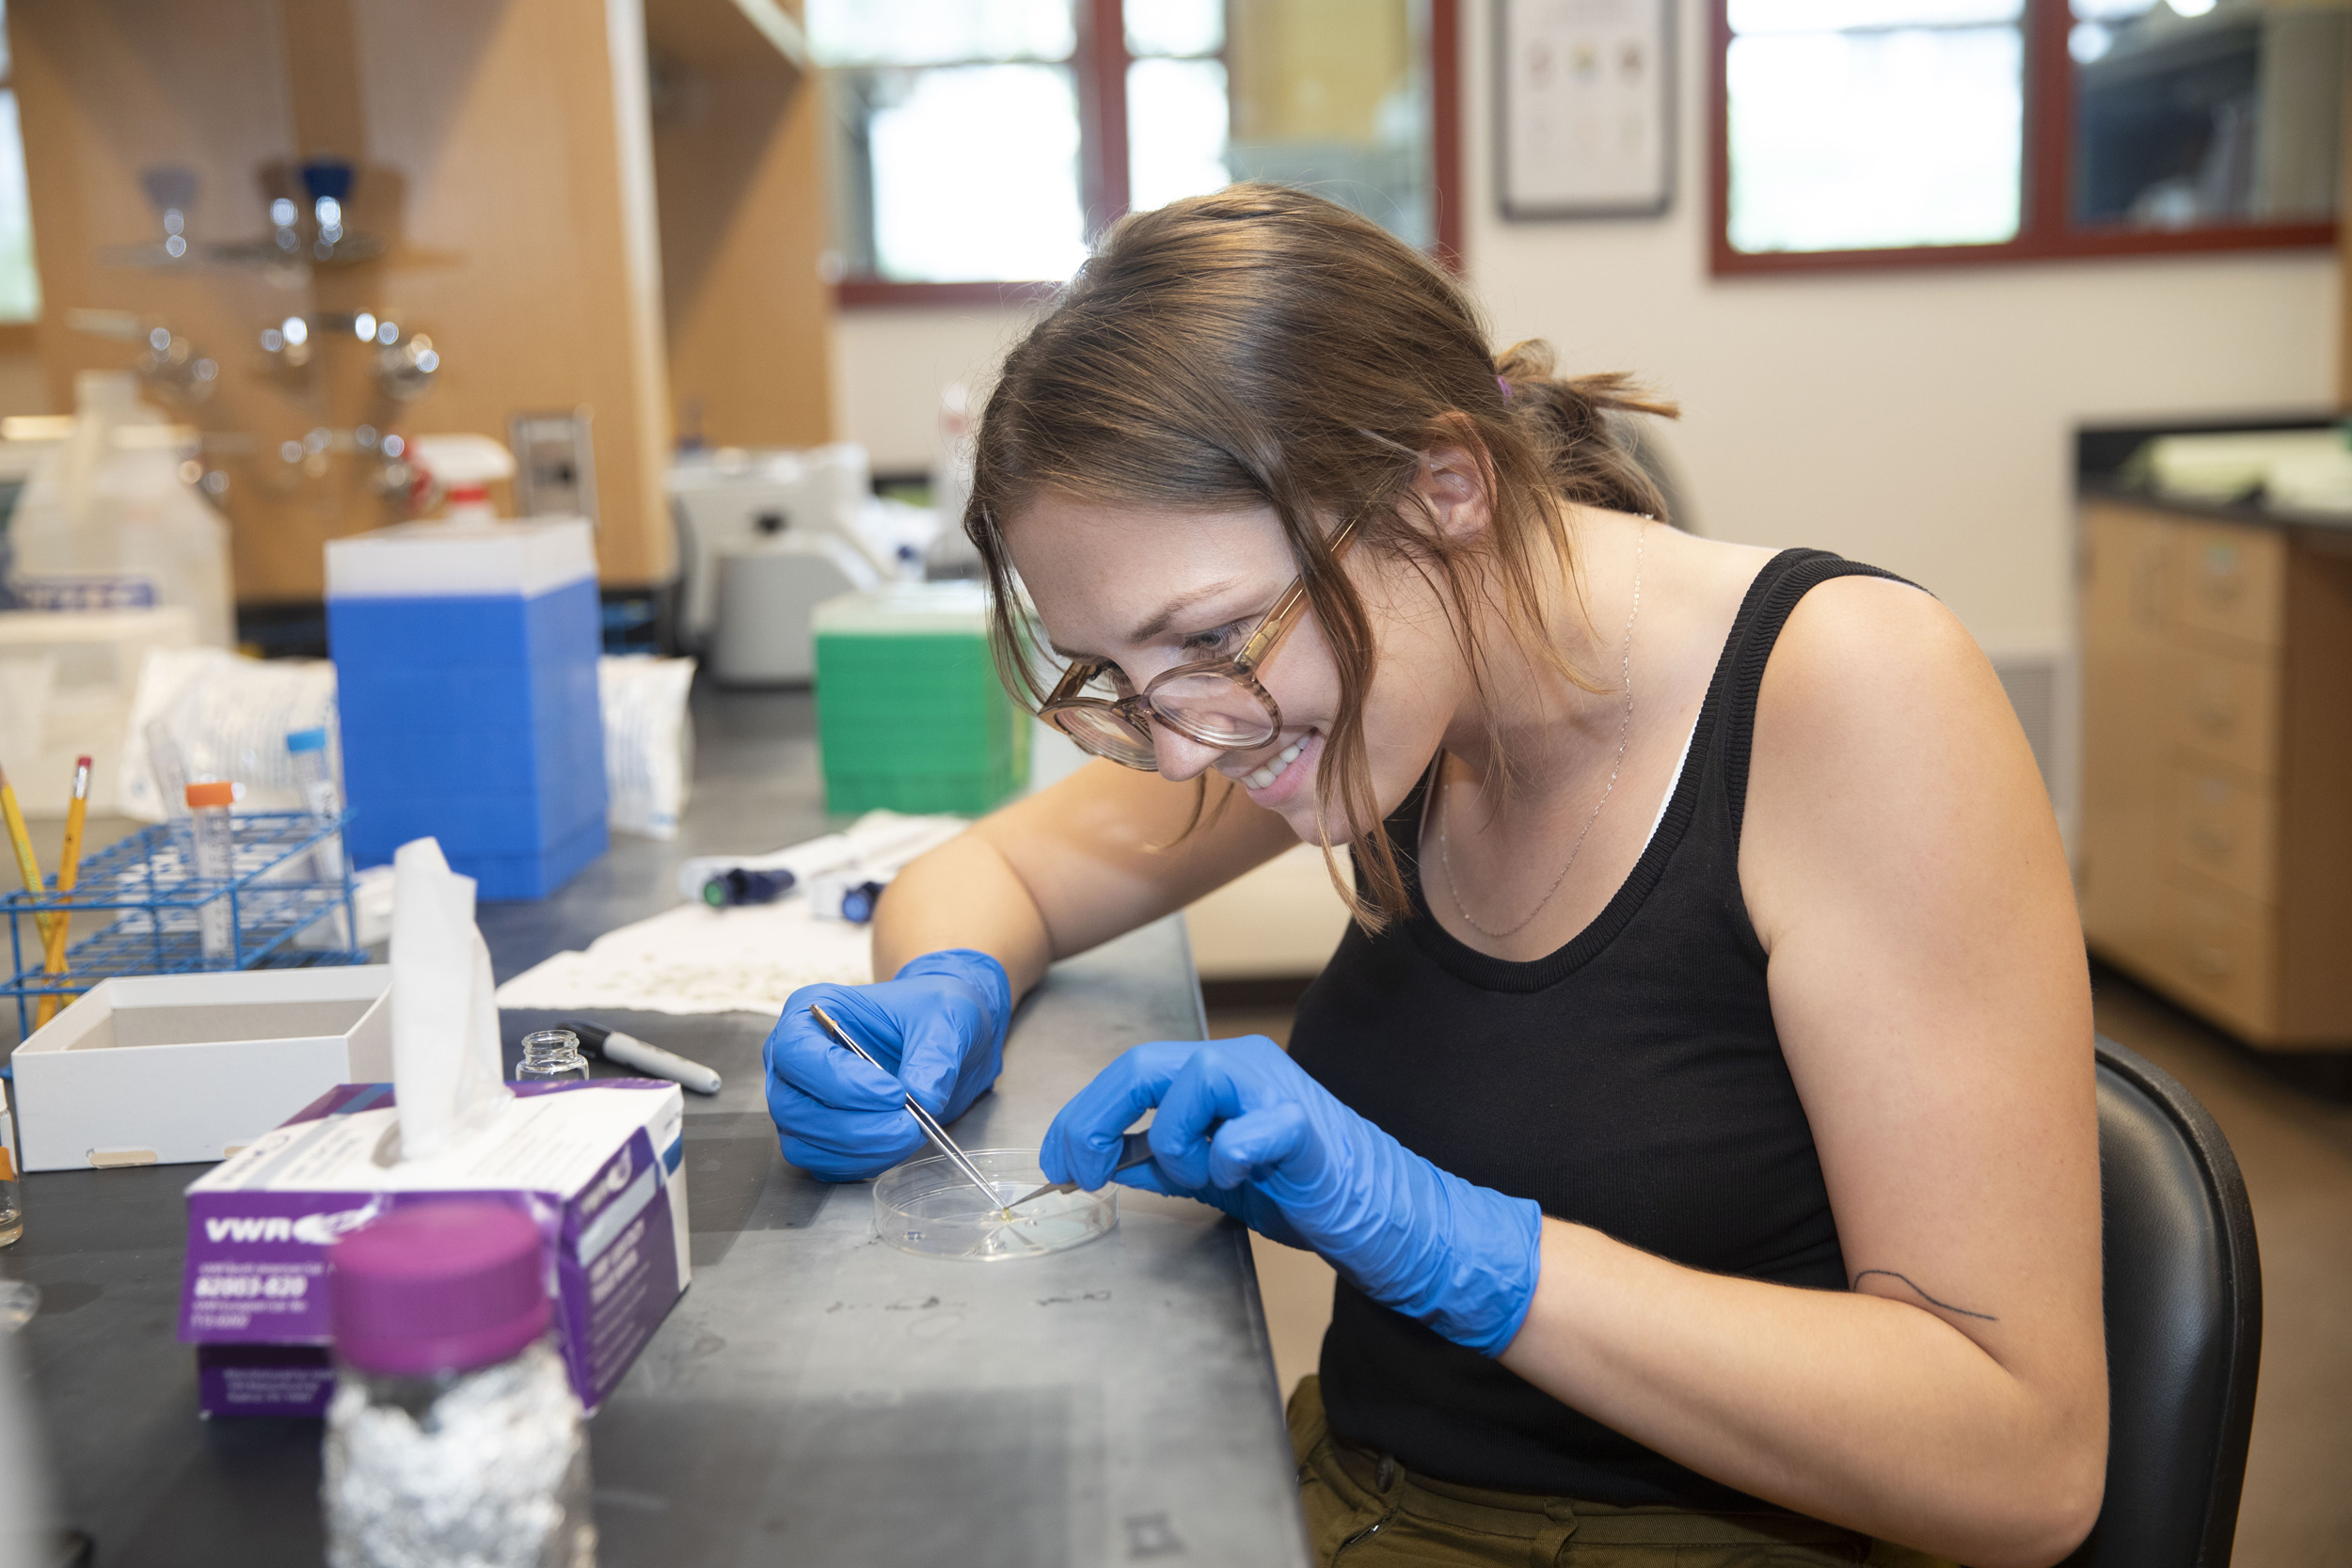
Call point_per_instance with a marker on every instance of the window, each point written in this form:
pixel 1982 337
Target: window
pixel 20 282
pixel 1878 131
pixel 979 143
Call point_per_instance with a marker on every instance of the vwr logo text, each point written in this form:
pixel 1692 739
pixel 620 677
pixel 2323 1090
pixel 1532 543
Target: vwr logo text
pixel 311 1229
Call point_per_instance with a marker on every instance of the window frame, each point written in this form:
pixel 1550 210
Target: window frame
pixel 1100 62
pixel 2044 230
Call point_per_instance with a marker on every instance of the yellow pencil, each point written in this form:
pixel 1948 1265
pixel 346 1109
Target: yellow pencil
pixel 27 864
pixel 69 870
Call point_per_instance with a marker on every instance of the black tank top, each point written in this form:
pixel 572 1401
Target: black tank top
pixel 1632 1081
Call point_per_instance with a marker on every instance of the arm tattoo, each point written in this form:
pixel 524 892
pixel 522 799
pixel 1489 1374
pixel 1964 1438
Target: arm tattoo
pixel 1980 1317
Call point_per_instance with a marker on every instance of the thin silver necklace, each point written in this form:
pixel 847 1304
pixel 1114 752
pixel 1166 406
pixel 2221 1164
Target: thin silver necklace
pixel 1625 728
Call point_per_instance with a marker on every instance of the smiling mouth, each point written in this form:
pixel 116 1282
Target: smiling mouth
pixel 1275 765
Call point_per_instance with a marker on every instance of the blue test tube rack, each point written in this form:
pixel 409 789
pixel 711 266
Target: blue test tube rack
pixel 148 886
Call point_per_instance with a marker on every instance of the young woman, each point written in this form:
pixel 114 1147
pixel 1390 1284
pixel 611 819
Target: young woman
pixel 1699 1116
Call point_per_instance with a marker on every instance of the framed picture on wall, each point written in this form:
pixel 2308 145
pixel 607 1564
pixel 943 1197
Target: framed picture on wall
pixel 1584 109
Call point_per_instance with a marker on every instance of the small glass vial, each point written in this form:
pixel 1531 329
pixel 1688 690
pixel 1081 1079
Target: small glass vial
pixel 314 777
pixel 11 1206
pixel 454 1436
pixel 551 1056
pixel 213 840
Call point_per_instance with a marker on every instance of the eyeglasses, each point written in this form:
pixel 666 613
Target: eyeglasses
pixel 1215 703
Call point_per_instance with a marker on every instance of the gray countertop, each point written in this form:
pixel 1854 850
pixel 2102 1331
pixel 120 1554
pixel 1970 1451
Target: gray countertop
pixel 2330 526
pixel 815 1397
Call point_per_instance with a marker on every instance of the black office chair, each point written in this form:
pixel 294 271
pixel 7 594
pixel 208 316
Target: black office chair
pixel 2185 1323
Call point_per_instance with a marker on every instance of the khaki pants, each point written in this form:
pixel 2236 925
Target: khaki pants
pixel 1365 1510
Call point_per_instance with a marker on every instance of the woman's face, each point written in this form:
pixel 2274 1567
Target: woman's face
pixel 1149 588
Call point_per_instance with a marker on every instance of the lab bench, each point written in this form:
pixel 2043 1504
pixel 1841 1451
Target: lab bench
pixel 815 1397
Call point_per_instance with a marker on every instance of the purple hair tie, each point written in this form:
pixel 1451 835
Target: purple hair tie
pixel 1506 388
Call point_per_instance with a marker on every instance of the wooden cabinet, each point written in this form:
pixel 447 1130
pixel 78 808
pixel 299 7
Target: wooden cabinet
pixel 2216 827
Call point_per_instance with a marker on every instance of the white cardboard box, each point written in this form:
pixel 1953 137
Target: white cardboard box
pixel 174 1069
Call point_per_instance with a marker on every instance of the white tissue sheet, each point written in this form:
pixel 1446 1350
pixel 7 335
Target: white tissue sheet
pixel 698 959
pixel 445 1022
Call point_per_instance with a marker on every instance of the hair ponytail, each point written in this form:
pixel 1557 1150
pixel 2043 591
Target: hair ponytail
pixel 1574 422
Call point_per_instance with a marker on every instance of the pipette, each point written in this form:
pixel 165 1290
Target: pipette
pixel 923 1119
pixel 1134 1149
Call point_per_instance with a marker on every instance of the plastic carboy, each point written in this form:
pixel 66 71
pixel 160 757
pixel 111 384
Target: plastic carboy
pixel 454 1436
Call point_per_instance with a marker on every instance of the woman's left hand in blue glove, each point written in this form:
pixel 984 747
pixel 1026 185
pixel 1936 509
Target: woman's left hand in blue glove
pixel 1243 1127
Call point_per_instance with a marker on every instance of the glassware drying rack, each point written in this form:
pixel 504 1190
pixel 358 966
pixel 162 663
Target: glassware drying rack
pixel 137 908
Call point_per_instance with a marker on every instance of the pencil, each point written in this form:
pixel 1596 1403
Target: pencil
pixel 27 864
pixel 69 870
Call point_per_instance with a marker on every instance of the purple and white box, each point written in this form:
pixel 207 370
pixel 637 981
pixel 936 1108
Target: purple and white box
pixel 596 1165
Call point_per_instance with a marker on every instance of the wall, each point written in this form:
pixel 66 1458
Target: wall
pixel 24 385
pixel 888 367
pixel 1919 420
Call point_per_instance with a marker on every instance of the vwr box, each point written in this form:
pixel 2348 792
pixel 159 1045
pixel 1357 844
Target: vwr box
pixel 594 1166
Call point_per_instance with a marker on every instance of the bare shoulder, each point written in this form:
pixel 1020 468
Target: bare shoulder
pixel 1713 573
pixel 1885 754
pixel 1691 590
pixel 1722 559
pixel 1866 653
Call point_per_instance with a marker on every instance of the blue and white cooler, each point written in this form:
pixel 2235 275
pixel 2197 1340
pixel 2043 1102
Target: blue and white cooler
pixel 465 667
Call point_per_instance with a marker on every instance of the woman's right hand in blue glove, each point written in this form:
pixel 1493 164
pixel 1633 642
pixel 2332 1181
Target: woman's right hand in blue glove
pixel 939 1029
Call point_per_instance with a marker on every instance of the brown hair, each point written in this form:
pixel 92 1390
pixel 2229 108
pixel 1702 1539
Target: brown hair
pixel 1262 346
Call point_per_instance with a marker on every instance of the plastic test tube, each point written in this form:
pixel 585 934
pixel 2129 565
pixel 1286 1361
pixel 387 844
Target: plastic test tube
pixel 215 860
pixel 314 776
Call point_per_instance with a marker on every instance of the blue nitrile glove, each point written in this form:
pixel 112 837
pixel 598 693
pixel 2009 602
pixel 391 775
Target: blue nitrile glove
pixel 939 1026
pixel 1243 1127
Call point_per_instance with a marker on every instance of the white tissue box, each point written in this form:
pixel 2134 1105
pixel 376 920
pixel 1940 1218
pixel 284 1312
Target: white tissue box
pixel 173 1069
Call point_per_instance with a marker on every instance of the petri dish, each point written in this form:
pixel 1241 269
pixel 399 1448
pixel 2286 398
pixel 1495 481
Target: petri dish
pixel 928 1207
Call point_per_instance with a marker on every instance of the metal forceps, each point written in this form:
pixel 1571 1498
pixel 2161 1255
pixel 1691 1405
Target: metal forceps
pixel 923 1119
pixel 1134 1149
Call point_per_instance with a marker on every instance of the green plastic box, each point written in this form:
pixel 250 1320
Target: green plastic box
pixel 909 714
